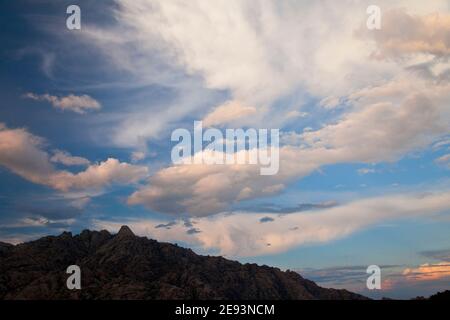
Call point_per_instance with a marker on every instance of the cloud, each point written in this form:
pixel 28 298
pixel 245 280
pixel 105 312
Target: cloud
pixel 228 113
pixel 385 123
pixel 43 222
pixel 166 225
pixel 247 51
pixel 67 159
pixel 193 231
pixel 266 219
pixel 21 152
pixel 24 154
pixel 248 48
pixel 40 213
pixel 397 281
pixel 424 279
pixel 78 104
pixel 241 234
pixel 46 57
pixel 405 35
pixel 202 189
pixel 384 129
pixel 364 171
pixel 441 144
pixel 443 255
pixel 137 156
pixel 389 112
pixel 444 160
pixel 20 237
pixel 50 209
pixel 427 272
pixel 152 118
pixel 100 175
pixel 342 276
pixel 291 138
pixel 286 210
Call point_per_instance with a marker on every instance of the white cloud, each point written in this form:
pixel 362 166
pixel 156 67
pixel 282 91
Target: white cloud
pixel 153 119
pixel 259 52
pixel 241 234
pixel 441 144
pixel 79 104
pixel 264 52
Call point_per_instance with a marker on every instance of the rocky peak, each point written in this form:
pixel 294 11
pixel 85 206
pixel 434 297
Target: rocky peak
pixel 125 232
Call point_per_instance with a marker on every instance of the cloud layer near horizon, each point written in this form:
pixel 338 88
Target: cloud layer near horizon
pixel 243 234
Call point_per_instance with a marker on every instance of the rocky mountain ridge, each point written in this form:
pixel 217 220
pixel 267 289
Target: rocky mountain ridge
pixel 125 266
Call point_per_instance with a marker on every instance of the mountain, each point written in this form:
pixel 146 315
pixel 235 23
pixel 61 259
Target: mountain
pixel 445 295
pixel 125 266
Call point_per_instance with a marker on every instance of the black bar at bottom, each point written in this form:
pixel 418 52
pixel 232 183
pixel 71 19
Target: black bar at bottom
pixel 220 309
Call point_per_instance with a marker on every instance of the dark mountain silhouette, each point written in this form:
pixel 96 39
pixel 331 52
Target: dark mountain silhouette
pixel 445 295
pixel 124 266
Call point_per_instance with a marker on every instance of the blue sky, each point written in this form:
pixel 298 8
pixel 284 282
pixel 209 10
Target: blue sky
pixel 86 119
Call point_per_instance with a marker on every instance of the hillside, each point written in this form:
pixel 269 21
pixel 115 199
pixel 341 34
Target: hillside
pixel 125 266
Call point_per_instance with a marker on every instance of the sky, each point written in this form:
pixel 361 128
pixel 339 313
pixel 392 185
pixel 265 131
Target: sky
pixel 87 116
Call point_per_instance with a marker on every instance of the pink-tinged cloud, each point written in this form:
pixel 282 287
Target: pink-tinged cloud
pixel 78 104
pixel 404 35
pixel 428 272
pixel 228 113
pixel 428 277
pixel 67 159
pixel 387 122
pixel 24 154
